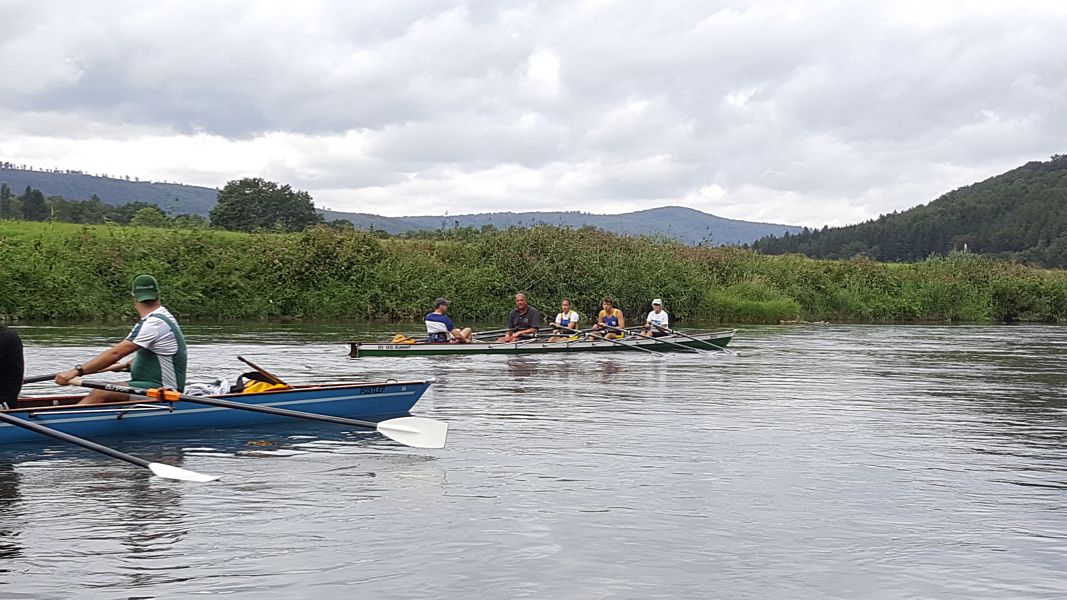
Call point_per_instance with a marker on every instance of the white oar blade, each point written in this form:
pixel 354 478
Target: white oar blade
pixel 417 432
pixel 172 472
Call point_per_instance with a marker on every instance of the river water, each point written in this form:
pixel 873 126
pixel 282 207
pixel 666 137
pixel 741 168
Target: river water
pixel 823 461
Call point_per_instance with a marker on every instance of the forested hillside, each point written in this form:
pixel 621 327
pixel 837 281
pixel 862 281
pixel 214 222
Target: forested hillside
pixel 174 198
pixel 1019 215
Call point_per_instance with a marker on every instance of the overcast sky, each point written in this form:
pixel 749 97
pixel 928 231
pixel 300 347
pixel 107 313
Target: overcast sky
pixel 808 113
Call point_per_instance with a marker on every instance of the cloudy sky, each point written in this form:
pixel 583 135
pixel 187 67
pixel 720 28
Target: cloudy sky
pixel 808 113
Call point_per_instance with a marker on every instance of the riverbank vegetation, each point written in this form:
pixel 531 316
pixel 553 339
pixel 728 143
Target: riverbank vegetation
pixel 64 271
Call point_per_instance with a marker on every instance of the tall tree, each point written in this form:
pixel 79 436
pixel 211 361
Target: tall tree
pixel 34 207
pixel 253 203
pixel 10 206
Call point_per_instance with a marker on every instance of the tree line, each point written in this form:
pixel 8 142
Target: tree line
pixel 250 204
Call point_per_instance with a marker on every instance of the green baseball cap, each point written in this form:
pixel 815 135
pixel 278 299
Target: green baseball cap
pixel 145 287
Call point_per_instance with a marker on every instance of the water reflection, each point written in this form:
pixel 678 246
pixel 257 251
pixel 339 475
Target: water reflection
pixel 829 461
pixel 10 500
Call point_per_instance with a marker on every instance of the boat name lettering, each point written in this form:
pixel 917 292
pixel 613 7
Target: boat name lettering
pixel 371 390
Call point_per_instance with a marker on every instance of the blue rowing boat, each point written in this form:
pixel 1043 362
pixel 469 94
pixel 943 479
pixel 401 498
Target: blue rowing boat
pixel 365 401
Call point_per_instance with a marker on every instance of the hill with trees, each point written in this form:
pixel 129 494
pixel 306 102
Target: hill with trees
pixel 83 198
pixel 1018 215
pixel 174 198
pixel 676 222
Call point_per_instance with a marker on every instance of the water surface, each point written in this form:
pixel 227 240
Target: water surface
pixel 822 462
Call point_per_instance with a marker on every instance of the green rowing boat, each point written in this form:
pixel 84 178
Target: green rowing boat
pixel 669 343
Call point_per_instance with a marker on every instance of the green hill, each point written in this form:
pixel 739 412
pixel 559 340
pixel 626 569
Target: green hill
pixel 1018 215
pixel 174 198
pixel 684 224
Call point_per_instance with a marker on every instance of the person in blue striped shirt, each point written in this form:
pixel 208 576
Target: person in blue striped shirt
pixel 440 329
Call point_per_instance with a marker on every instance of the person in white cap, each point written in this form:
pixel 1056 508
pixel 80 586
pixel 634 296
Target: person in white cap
pixel 658 320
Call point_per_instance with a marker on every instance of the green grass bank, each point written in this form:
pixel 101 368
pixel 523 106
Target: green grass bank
pixel 64 271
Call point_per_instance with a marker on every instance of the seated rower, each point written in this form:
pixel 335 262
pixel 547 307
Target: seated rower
pixel 610 321
pixel 567 319
pixel 157 340
pixel 657 322
pixel 440 328
pixel 11 368
pixel 523 322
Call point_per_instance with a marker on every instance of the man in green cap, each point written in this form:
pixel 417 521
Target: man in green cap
pixel 160 358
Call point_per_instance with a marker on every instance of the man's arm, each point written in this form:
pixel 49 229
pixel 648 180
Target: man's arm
pixel 100 362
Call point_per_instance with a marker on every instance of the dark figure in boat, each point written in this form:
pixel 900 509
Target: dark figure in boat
pixel 160 358
pixel 12 367
pixel 523 322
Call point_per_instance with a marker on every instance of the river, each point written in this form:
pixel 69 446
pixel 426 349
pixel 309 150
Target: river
pixel 822 461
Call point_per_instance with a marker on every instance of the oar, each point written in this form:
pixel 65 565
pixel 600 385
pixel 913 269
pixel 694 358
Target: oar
pixel 418 432
pixel 159 469
pixel 607 339
pixel 50 377
pixel 489 332
pixel 273 378
pixel 663 341
pixel 676 332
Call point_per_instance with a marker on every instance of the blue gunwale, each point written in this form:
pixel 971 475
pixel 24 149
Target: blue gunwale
pixel 374 401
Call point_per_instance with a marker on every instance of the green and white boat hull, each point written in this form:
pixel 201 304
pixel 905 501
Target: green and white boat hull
pixel 699 341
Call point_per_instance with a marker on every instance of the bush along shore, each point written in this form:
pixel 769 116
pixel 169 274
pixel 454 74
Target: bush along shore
pixel 65 271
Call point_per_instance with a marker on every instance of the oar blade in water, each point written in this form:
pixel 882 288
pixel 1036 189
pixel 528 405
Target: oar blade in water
pixel 418 432
pixel 172 472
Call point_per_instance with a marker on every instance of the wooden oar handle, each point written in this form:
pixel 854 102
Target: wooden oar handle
pixel 264 372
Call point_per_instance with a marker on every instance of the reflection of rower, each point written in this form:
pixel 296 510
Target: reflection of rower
pixel 12 367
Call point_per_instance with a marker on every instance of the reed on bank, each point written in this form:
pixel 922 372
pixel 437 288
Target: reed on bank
pixel 61 271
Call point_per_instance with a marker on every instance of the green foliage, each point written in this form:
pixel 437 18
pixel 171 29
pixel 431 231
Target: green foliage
pixel 149 216
pixel 33 204
pixel 752 302
pixel 1019 215
pixel 63 271
pixel 252 204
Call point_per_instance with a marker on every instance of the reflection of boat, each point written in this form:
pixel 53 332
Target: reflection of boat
pixel 369 401
pixel 668 343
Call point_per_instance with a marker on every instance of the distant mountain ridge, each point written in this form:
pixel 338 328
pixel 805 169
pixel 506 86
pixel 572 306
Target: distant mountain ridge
pixel 685 224
pixel 174 198
pixel 1020 215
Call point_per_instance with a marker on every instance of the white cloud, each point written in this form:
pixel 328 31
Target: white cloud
pixel 823 112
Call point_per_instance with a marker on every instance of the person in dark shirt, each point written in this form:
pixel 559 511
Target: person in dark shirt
pixel 522 322
pixel 12 367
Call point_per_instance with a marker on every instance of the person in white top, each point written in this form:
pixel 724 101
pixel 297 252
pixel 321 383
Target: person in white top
pixel 658 320
pixel 565 318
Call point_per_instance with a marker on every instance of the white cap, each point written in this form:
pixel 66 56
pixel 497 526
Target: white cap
pixel 657 301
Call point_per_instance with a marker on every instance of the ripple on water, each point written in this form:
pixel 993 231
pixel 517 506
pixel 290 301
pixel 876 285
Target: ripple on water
pixel 825 461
